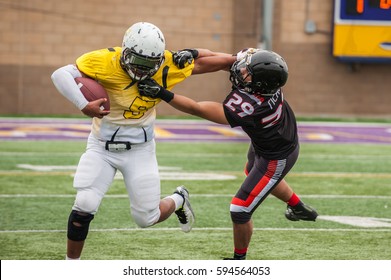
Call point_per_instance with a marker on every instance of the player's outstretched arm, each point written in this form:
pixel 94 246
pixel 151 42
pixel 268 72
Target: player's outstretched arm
pixel 209 61
pixel 205 60
pixel 209 110
pixel 212 64
pixel 208 53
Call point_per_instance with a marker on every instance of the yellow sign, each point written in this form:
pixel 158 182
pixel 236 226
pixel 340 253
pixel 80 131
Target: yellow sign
pixel 362 30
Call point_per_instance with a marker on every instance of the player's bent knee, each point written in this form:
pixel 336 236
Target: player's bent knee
pixel 145 219
pixel 78 225
pixel 240 217
pixel 87 202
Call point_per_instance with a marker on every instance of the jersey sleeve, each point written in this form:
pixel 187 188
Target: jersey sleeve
pixel 97 64
pixel 169 74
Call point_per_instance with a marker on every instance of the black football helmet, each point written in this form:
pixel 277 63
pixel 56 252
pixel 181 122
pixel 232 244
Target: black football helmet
pixel 268 71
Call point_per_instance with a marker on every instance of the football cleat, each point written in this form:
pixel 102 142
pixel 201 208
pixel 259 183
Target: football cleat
pixel 185 213
pixel 234 258
pixel 301 212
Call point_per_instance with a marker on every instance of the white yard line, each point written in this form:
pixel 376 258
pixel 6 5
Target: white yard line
pixel 320 196
pixel 205 229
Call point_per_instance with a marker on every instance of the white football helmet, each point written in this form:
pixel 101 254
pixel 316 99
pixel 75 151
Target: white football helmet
pixel 142 50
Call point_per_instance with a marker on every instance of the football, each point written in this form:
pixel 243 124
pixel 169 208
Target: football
pixel 92 90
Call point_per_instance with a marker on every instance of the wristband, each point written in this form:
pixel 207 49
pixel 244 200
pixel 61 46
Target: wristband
pixel 166 95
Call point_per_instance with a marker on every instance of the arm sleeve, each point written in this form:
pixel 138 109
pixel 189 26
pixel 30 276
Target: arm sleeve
pixel 64 80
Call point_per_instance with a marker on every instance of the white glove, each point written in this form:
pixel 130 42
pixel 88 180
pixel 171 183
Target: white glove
pixel 243 53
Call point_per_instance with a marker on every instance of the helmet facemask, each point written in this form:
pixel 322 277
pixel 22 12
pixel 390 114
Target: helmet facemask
pixel 239 78
pixel 139 67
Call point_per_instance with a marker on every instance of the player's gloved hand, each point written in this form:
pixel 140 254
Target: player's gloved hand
pixel 243 53
pixel 184 56
pixel 152 89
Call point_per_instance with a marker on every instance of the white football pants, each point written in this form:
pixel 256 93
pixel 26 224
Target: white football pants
pixel 96 170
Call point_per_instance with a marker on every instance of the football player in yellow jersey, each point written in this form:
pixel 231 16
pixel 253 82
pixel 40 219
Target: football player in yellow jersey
pixel 123 138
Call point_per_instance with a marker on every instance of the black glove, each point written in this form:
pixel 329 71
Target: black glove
pixel 186 55
pixel 152 89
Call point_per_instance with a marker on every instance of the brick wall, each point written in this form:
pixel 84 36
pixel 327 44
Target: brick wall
pixel 39 36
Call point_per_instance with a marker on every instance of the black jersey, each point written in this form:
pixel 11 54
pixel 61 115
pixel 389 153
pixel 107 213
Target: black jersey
pixel 268 121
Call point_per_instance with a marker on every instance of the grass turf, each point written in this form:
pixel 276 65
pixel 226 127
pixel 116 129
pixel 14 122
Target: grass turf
pixel 337 179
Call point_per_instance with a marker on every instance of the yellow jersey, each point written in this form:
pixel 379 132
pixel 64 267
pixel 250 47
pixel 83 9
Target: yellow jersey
pixel 132 113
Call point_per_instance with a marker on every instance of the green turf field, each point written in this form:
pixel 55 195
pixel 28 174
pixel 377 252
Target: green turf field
pixel 342 181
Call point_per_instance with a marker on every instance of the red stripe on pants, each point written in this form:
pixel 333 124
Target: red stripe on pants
pixel 271 169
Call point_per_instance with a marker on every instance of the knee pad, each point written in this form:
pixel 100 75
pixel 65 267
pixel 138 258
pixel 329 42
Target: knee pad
pixel 78 225
pixel 240 217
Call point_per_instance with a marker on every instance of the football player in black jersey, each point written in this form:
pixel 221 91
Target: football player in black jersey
pixel 257 105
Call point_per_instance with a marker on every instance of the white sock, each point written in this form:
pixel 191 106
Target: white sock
pixel 178 200
pixel 70 259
